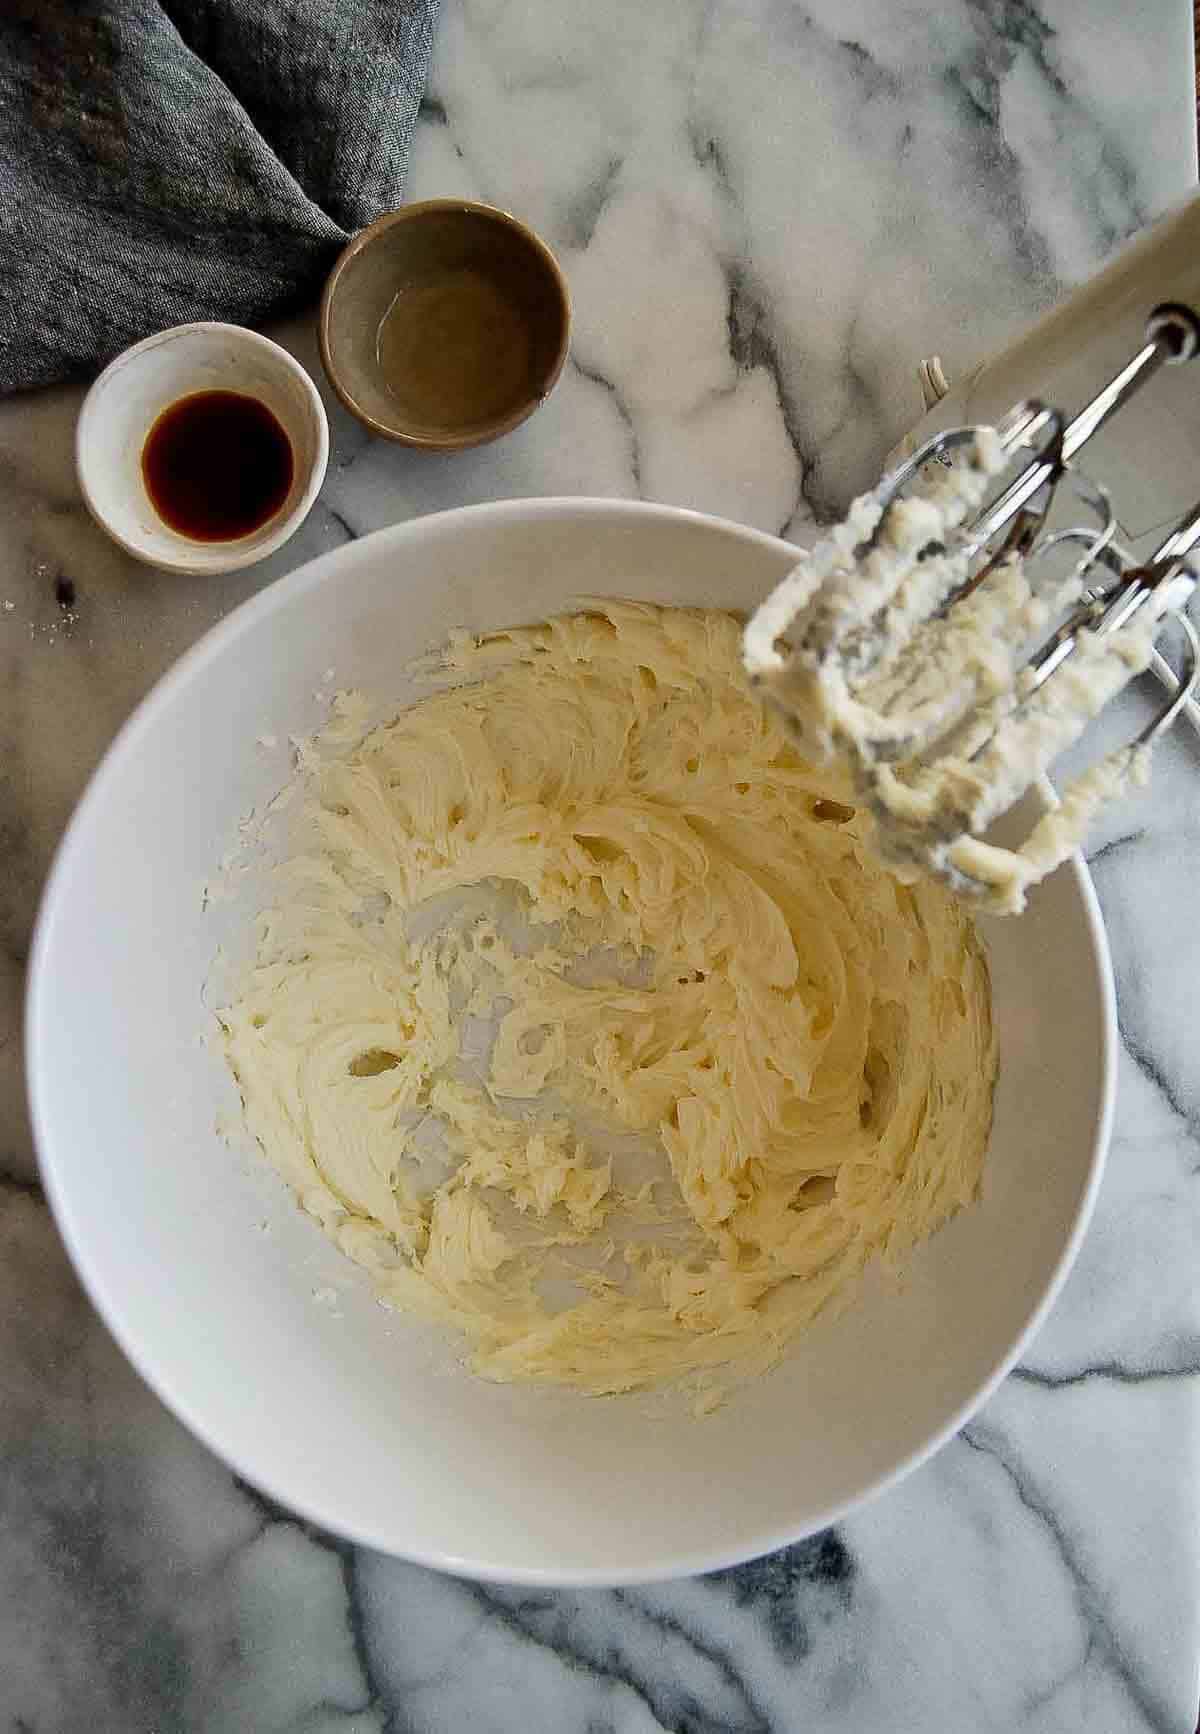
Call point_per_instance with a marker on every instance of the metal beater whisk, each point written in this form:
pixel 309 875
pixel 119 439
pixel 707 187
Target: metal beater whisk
pixel 947 642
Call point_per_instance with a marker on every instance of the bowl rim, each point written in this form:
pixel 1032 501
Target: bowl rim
pixel 243 551
pixel 475 436
pixel 312 574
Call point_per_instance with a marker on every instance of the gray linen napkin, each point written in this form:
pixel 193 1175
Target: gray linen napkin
pixel 166 160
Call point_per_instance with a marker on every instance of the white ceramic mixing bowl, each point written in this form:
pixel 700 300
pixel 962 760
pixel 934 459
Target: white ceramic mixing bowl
pixel 269 1344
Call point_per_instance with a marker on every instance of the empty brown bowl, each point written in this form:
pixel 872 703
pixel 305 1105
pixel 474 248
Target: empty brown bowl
pixel 444 324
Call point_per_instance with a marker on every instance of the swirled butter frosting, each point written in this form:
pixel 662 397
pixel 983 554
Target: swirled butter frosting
pixel 585 1019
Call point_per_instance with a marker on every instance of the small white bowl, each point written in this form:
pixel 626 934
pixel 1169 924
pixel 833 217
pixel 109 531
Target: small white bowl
pixel 132 392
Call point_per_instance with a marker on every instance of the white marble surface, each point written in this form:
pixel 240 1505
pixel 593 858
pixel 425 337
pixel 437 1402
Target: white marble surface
pixel 768 214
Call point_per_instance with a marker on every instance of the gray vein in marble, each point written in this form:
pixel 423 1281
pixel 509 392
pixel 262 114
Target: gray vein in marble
pixel 1114 846
pixel 749 338
pixel 989 1442
pixel 752 346
pixel 595 1660
pixel 583 213
pixel 1036 1702
pixel 772 1586
pixel 1022 26
pixel 1150 1069
pixel 545 1620
pixel 343 523
pixel 875 78
pixel 714 1657
pixel 272 1512
pixel 1116 208
pixel 624 414
pixel 1116 1372
pixel 975 90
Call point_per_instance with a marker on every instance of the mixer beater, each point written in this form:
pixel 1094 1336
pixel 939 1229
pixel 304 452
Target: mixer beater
pixel 949 639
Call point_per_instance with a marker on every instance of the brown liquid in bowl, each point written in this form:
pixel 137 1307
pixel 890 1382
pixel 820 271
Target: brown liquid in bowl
pixel 217 465
pixel 455 350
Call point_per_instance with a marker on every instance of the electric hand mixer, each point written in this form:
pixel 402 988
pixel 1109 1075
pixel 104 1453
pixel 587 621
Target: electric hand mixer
pixel 950 639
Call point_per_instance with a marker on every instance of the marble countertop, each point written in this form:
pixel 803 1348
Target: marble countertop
pixel 768 214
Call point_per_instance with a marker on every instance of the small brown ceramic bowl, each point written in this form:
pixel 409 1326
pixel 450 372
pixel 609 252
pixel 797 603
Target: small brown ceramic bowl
pixel 444 324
